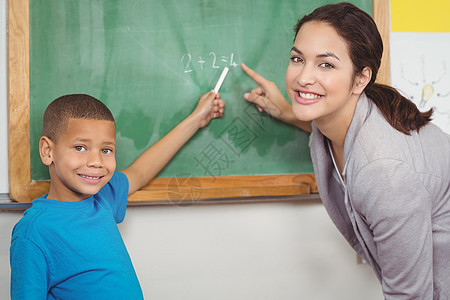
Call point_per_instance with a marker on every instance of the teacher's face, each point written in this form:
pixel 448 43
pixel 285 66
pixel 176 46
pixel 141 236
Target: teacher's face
pixel 319 78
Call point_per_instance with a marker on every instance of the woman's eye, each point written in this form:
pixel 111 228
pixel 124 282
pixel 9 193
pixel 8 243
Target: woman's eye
pixel 296 59
pixel 80 148
pixel 326 65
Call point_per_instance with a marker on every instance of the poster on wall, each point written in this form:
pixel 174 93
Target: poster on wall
pixel 420 55
pixel 420 70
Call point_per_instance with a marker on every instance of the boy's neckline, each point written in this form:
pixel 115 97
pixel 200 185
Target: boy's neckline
pixel 65 204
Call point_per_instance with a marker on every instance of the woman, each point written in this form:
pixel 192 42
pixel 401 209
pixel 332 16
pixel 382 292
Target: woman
pixel 382 169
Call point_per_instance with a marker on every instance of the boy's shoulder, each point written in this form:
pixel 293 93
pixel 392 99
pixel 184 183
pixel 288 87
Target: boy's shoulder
pixel 32 221
pixel 118 180
pixel 115 193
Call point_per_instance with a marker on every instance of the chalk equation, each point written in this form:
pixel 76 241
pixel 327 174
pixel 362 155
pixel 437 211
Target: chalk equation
pixel 212 60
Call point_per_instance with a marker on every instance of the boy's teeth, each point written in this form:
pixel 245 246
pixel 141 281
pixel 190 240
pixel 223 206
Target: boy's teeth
pixel 308 95
pixel 90 177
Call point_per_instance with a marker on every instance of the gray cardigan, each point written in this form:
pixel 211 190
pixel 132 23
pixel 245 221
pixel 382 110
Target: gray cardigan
pixel 394 207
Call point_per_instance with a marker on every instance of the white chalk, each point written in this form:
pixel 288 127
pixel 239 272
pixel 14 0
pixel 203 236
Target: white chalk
pixel 221 79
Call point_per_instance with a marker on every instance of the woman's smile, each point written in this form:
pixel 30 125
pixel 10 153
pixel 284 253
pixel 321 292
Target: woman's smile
pixel 306 98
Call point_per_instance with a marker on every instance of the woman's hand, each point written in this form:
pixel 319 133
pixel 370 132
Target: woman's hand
pixel 268 97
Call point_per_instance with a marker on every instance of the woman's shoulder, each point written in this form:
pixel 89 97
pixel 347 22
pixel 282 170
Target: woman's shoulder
pixel 376 139
pixel 381 153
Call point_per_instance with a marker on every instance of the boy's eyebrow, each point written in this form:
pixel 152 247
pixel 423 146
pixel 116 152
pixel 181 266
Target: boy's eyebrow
pixel 82 140
pixel 326 54
pixel 110 143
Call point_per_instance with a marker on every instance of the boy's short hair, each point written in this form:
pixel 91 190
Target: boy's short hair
pixel 77 106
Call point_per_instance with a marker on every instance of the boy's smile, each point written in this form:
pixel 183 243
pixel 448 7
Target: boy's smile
pixel 82 160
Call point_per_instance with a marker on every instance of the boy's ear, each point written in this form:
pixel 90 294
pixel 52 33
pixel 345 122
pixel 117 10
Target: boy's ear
pixel 46 146
pixel 362 80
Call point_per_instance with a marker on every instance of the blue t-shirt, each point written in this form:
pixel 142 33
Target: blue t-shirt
pixel 74 250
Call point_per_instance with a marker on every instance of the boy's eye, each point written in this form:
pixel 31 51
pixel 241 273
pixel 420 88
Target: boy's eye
pixel 107 151
pixel 80 148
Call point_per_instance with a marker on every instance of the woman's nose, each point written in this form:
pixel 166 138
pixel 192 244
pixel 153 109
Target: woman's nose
pixel 306 76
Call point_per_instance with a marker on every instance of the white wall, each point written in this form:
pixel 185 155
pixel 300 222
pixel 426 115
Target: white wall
pixel 254 251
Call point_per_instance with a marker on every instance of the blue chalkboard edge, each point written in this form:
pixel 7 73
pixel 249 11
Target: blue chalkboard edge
pixel 24 189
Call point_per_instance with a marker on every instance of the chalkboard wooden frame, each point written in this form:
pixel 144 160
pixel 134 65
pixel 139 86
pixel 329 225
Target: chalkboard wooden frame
pixel 161 190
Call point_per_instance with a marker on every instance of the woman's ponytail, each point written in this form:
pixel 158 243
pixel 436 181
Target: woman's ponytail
pixel 400 112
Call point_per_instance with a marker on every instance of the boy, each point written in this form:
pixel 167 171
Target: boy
pixel 67 245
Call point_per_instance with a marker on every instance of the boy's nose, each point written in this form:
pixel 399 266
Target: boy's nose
pixel 95 160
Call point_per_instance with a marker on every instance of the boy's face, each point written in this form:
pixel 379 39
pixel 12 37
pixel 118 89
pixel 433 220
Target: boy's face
pixel 82 160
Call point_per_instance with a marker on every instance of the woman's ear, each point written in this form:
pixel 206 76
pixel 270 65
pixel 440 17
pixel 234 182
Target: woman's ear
pixel 46 147
pixel 362 80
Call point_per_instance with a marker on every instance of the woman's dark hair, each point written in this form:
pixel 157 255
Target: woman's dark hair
pixel 365 48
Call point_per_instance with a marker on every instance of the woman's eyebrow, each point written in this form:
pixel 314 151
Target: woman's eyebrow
pixel 326 54
pixel 296 50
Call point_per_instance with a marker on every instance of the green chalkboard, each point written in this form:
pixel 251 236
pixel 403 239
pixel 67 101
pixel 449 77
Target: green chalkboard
pixel 150 60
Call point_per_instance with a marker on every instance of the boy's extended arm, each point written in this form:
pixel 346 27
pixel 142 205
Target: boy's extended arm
pixel 152 160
